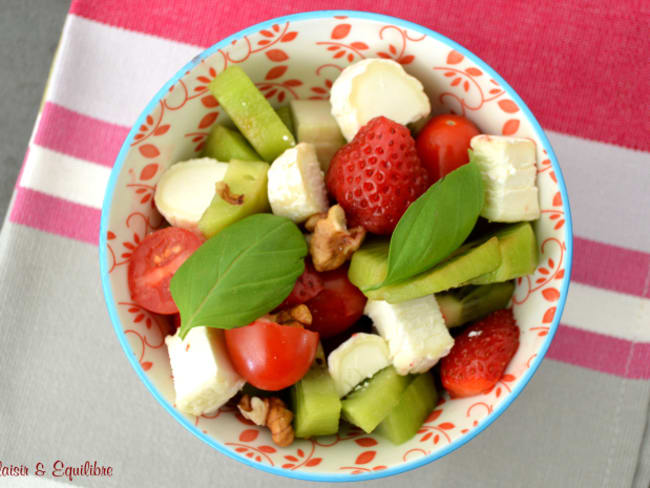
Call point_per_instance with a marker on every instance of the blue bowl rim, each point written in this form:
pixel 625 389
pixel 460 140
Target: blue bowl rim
pixel 110 302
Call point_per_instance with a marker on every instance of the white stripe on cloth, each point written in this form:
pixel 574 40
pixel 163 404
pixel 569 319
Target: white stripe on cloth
pixel 607 312
pixel 111 74
pixel 66 177
pixel 608 190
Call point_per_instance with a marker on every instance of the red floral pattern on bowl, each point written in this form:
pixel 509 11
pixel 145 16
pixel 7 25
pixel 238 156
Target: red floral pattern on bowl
pixel 300 58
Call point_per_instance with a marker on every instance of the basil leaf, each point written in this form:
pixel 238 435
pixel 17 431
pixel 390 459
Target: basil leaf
pixel 436 224
pixel 240 274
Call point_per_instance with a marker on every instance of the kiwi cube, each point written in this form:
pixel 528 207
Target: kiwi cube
pixel 316 405
pixel 252 113
pixel 415 404
pixel 374 399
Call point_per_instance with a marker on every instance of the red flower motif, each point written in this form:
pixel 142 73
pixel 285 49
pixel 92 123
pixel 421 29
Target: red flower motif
pixel 276 55
pixel 551 294
pixel 548 315
pixel 209 101
pixel 208 119
pixel 365 457
pixel 366 442
pixel 161 130
pixel 433 416
pixel 340 31
pixel 454 57
pixel 149 151
pixel 149 171
pixel 510 127
pixel 276 72
pixel 248 435
pixel 508 106
pixel 289 36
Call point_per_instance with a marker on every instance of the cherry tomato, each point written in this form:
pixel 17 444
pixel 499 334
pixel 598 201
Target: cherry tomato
pixel 154 262
pixel 443 143
pixel 338 306
pixel 271 356
pixel 308 285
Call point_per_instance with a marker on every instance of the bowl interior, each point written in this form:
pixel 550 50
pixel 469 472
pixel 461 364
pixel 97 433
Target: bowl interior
pixel 299 57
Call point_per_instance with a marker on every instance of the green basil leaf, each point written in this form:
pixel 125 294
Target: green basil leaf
pixel 436 224
pixel 243 272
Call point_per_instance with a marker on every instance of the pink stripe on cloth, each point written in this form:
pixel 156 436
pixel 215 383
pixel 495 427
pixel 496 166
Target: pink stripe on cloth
pixel 552 53
pixel 601 352
pixel 571 345
pixel 55 215
pixel 611 267
pixel 78 135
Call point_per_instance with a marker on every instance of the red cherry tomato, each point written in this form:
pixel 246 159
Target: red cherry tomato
pixel 308 285
pixel 338 306
pixel 271 356
pixel 154 262
pixel 443 143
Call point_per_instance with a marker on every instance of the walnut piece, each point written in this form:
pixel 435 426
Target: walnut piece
pixel 332 243
pixel 270 412
pixel 299 313
pixel 279 422
pixel 223 190
pixel 254 409
pixel 311 222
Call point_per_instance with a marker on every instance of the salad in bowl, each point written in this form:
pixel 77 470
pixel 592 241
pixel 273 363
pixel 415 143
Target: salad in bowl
pixel 338 255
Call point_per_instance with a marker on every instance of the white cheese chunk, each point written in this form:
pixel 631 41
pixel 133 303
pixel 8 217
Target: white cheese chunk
pixel 511 205
pixel 510 178
pixel 508 169
pixel 508 151
pixel 204 378
pixel 415 331
pixel 296 185
pixel 186 189
pixel 374 87
pixel 357 359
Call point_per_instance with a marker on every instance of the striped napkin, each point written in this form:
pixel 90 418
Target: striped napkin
pixel 66 391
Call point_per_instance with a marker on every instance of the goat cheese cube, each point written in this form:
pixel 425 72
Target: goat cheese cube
pixel 357 359
pixel 296 187
pixel 186 189
pixel 374 87
pixel 509 170
pixel 415 331
pixel 204 378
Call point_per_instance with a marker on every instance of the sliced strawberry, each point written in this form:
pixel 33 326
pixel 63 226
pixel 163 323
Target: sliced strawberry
pixel 480 355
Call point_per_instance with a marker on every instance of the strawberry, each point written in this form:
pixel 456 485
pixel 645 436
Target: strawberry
pixel 480 355
pixel 377 175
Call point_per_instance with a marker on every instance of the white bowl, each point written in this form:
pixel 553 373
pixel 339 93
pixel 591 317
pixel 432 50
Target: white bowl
pixel 299 56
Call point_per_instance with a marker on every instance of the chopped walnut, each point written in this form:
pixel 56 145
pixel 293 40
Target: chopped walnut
pixel 272 413
pixel 254 409
pixel 223 190
pixel 279 422
pixel 299 313
pixel 311 222
pixel 332 243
